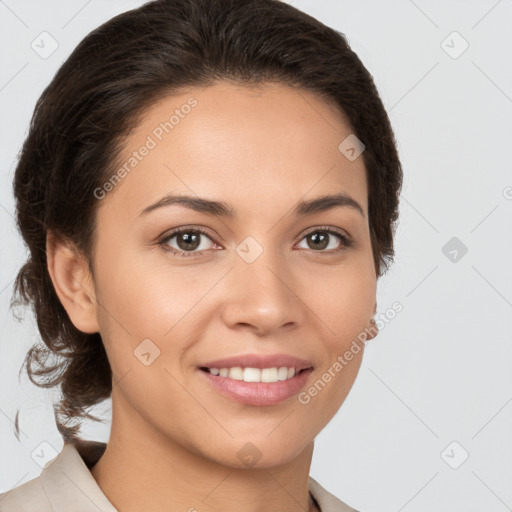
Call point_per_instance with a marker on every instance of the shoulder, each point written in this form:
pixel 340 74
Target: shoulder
pixel 65 484
pixel 327 501
pixel 28 497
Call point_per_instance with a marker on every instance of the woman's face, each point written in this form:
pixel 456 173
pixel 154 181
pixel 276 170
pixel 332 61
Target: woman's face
pixel 273 278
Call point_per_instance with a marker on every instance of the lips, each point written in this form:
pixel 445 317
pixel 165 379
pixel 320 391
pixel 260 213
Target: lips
pixel 259 361
pixel 256 393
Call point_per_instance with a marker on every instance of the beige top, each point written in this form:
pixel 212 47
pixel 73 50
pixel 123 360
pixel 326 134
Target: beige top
pixel 67 485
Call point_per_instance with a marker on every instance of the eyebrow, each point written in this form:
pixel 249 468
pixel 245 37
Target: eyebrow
pixel 222 209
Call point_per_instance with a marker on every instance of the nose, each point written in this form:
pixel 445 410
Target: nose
pixel 260 296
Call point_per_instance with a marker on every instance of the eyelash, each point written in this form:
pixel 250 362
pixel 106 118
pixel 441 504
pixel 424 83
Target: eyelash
pixel 346 242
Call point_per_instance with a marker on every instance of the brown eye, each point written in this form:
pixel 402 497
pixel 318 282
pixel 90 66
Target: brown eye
pixel 189 242
pixel 318 240
pixel 326 240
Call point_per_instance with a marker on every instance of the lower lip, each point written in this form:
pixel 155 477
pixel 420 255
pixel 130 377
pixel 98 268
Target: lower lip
pixel 258 393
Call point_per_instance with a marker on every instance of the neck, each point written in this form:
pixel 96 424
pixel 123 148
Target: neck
pixel 143 469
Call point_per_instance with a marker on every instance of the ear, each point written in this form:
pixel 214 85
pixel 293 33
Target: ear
pixel 371 329
pixel 73 282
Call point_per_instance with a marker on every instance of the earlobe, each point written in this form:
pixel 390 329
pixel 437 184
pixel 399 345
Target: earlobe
pixel 72 282
pixel 372 330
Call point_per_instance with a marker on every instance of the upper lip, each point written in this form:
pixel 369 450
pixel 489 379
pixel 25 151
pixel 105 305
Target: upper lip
pixel 259 361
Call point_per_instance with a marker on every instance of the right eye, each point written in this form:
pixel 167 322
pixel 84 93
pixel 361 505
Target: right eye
pixel 188 240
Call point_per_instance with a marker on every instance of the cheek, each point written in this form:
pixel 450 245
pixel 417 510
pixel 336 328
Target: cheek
pixel 342 306
pixel 343 300
pixel 143 316
pixel 139 306
pixel 136 298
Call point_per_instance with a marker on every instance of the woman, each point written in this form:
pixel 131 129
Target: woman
pixel 209 192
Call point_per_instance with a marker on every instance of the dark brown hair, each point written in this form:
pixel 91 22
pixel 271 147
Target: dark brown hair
pixel 98 96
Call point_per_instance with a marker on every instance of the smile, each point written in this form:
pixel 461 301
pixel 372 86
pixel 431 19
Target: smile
pixel 256 386
pixel 274 374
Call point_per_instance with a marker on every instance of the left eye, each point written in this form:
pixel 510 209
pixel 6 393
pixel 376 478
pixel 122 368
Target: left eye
pixel 321 239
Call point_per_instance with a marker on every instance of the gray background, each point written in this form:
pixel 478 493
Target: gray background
pixel 436 384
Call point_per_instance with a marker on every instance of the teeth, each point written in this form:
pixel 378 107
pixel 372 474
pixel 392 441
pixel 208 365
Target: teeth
pixel 282 373
pixel 236 373
pixel 255 374
pixel 251 375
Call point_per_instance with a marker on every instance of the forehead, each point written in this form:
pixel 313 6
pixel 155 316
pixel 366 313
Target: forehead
pixel 272 143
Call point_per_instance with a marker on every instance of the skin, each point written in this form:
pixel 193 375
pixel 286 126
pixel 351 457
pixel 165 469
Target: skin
pixel 174 438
